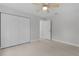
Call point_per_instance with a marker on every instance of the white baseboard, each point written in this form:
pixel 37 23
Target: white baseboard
pixel 68 43
pixel 34 40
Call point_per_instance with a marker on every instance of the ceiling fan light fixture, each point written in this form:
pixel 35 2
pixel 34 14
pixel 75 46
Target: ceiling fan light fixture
pixel 44 8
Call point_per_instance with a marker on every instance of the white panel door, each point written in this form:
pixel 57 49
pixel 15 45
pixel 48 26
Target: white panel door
pixel 45 32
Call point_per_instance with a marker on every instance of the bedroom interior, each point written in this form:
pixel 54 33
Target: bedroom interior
pixel 39 29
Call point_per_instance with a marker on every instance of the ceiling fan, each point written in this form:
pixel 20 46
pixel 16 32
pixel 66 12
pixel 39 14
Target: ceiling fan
pixel 46 6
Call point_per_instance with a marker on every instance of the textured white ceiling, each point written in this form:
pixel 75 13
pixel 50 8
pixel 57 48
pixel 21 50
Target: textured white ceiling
pixel 30 8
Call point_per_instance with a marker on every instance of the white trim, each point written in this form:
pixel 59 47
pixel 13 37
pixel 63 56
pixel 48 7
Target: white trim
pixel 34 40
pixel 68 43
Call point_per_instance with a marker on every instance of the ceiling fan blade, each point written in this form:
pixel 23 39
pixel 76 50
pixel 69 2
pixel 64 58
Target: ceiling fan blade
pixel 53 5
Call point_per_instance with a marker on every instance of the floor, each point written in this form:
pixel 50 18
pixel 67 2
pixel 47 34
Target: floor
pixel 41 48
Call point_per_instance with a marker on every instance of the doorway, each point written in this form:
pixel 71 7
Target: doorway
pixel 46 29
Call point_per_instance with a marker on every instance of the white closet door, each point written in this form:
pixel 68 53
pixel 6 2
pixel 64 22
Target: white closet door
pixel 17 30
pixel 11 30
pixel 3 29
pixel 23 30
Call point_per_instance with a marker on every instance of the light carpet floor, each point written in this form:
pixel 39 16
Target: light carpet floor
pixel 41 48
